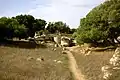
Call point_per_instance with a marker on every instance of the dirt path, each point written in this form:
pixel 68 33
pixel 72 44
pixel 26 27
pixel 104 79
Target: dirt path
pixel 74 67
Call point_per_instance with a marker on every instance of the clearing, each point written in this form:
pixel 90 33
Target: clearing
pixel 25 64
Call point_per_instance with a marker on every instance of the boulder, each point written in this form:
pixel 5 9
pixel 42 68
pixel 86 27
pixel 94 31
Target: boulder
pixel 57 40
pixel 65 41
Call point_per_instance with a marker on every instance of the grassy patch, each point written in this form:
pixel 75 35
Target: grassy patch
pixel 14 64
pixel 91 65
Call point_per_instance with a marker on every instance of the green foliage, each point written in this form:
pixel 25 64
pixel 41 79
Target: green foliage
pixel 72 30
pixel 58 27
pixel 24 26
pixel 21 26
pixel 31 23
pixel 101 23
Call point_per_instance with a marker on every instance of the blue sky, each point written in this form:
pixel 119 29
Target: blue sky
pixel 68 11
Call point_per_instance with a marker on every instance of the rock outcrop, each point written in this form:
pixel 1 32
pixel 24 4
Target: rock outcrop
pixel 112 71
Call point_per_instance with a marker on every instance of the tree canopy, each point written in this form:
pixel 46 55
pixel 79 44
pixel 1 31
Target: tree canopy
pixel 21 26
pixel 31 23
pixel 24 26
pixel 101 23
pixel 59 26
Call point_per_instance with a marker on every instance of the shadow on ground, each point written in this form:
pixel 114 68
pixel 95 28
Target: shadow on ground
pixel 21 44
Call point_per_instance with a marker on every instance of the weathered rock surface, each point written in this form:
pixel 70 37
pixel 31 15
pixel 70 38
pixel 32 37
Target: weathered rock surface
pixel 112 71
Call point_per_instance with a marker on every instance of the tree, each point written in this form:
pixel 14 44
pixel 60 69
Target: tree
pixel 39 24
pixel 11 28
pixel 21 26
pixel 101 23
pixel 72 30
pixel 58 27
pixel 51 27
pixel 31 23
pixel 2 30
pixel 5 28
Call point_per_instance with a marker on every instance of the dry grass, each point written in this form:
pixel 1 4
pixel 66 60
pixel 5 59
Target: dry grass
pixel 14 64
pixel 91 65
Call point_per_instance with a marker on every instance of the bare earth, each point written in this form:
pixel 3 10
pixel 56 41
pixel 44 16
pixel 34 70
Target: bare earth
pixel 74 67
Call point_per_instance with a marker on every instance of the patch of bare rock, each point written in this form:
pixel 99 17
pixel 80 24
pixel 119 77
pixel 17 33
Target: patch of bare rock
pixel 112 71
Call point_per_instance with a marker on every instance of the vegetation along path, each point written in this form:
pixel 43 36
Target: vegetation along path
pixel 74 67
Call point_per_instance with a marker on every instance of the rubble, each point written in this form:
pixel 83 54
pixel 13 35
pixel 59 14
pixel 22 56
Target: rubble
pixel 112 70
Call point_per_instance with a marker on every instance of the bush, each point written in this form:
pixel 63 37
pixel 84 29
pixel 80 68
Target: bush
pixel 102 23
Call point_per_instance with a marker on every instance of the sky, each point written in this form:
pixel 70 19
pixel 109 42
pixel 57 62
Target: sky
pixel 68 11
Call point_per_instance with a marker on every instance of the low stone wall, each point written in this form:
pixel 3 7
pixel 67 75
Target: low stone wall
pixel 112 71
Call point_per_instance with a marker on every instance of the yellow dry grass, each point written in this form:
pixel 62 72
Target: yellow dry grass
pixel 20 64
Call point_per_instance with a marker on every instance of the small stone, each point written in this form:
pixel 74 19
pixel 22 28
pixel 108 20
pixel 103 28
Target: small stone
pixel 42 42
pixel 40 59
pixel 107 76
pixel 30 58
pixel 88 53
pixel 56 45
pixel 64 48
pixel 54 49
pixel 106 68
pixel 115 61
pixel 59 61
pixel 117 51
pixel 63 52
pixel 55 60
pixel 116 68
